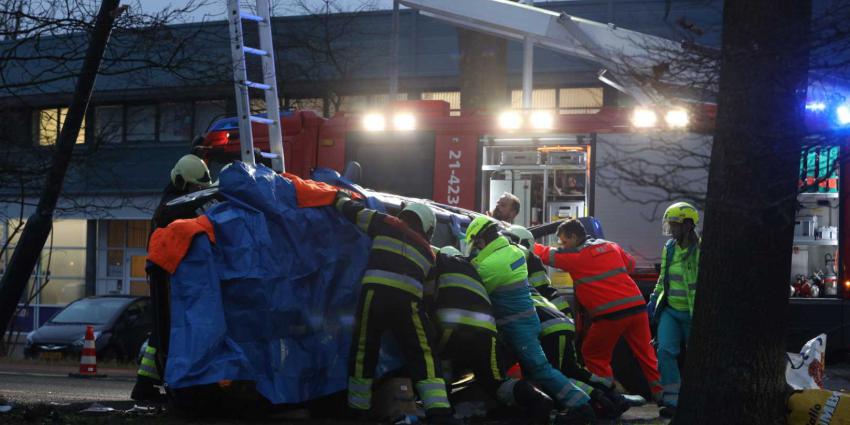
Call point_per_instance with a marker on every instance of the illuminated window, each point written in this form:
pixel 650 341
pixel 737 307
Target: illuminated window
pixel 540 99
pixel 586 100
pixel 50 123
pixel 453 97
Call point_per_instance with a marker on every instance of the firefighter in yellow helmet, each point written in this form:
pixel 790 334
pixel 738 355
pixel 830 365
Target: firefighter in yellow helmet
pixel 391 292
pixel 672 302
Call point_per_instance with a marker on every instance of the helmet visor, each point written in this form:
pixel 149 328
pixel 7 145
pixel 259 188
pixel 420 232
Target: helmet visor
pixel 665 228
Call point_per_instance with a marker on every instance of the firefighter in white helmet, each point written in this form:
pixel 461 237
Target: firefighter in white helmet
pixel 672 302
pixel 400 260
pixel 189 174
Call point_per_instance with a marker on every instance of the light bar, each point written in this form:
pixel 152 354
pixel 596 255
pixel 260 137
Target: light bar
pixel 404 122
pixel 842 113
pixel 542 120
pixel 644 118
pixel 510 120
pixel 677 118
pixel 374 122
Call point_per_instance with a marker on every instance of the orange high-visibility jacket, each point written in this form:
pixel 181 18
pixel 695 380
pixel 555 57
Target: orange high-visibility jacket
pixel 600 271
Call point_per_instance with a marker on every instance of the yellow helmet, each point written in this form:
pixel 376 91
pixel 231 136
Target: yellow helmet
pixel 678 213
pixel 190 169
pixel 476 227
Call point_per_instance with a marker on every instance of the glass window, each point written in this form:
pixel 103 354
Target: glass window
pixel 115 233
pixel 316 104
pixel 141 123
pixel 137 233
pixel 175 122
pixel 62 291
pixel 110 123
pixel 258 106
pixel 586 100
pixel 115 263
pixel 69 233
pixel 453 97
pixel 540 99
pixel 63 262
pixel 94 311
pixel 206 113
pixel 50 123
pixel 14 228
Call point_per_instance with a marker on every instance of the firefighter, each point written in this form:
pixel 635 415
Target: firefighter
pixel 189 174
pixel 558 330
pixel 506 209
pixel 671 305
pixel 391 293
pixel 468 337
pixel 600 271
pixel 503 271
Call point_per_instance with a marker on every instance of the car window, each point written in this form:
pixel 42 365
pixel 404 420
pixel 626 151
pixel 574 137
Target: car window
pixel 90 311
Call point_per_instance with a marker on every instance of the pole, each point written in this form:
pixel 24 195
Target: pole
pixel 394 70
pixel 40 222
pixel 527 72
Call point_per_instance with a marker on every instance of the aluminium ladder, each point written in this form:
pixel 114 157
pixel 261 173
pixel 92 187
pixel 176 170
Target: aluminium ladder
pixel 241 83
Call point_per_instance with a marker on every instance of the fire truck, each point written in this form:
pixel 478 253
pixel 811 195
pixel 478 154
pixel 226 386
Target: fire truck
pixel 550 160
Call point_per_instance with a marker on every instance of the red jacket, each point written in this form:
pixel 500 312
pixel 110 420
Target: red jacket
pixel 600 271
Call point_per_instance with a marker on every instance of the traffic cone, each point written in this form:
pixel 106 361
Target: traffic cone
pixel 88 358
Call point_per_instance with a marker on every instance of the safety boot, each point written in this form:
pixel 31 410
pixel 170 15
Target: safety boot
pixel 536 402
pixel 579 415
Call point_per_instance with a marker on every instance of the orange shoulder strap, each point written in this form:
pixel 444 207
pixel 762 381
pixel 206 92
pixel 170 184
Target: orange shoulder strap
pixel 169 245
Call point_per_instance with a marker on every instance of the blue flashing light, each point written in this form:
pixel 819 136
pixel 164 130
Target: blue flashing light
pixel 842 114
pixel 816 106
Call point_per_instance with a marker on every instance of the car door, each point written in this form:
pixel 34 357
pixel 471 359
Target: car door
pixel 132 327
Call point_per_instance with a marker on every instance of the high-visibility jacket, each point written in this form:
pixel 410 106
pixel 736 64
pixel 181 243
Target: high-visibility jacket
pixel 600 271
pixel 400 257
pixel 461 300
pixel 538 278
pixel 502 266
pixel 682 286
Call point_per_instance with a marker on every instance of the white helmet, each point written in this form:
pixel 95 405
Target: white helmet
pixel 424 213
pixel 525 237
pixel 190 169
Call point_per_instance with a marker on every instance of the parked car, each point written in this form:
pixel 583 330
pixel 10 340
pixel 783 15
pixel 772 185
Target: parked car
pixel 121 324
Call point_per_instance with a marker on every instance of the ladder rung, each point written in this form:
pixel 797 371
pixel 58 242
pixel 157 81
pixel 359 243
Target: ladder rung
pixel 261 120
pixel 254 51
pixel 260 86
pixel 249 17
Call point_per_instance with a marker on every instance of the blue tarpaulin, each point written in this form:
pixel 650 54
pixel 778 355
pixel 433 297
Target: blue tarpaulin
pixel 272 301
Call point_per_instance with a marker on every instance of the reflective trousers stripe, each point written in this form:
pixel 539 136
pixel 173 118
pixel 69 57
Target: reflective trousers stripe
pixel 360 393
pixel 560 303
pixel 427 355
pixel 511 286
pixel 457 280
pixel 516 316
pixel 578 398
pixel 615 303
pixel 361 342
pixel 600 276
pixel 494 364
pixel 466 317
pixel 407 251
pixel 432 391
pixel 398 281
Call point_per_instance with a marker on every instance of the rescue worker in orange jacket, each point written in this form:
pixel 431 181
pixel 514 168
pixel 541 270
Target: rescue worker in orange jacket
pixel 600 272
pixel 391 293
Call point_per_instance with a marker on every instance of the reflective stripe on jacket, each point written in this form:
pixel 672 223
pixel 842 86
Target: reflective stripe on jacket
pixel 600 271
pixel 399 258
pixel 690 272
pixel 538 278
pixel 461 298
pixel 501 266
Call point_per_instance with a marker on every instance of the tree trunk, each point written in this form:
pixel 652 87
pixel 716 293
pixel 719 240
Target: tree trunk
pixel 735 366
pixel 483 71
pixel 38 225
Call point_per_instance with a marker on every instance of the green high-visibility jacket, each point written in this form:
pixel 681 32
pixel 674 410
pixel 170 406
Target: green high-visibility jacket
pixel 501 265
pixel 690 271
